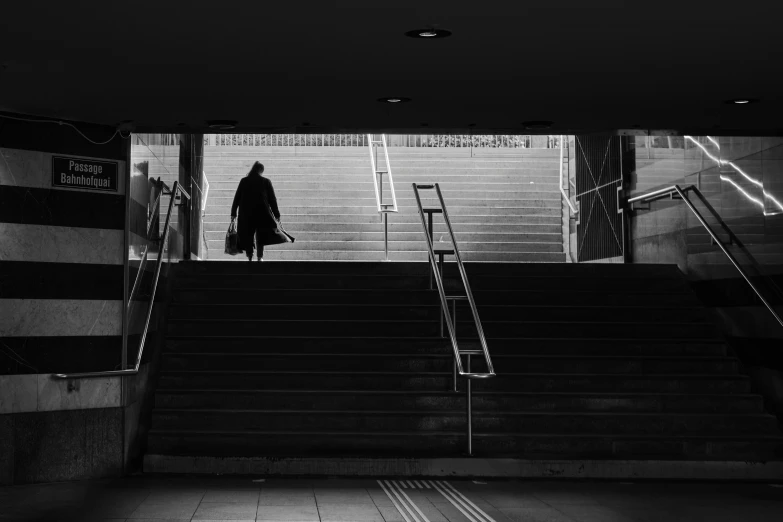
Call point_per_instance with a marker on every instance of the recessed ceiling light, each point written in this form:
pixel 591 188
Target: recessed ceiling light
pixel 393 99
pixel 536 125
pixel 428 33
pixel 221 124
pixel 741 101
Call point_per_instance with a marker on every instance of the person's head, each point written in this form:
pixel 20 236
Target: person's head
pixel 257 170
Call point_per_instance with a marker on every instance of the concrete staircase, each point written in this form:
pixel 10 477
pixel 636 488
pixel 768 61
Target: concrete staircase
pixel 504 204
pixel 280 361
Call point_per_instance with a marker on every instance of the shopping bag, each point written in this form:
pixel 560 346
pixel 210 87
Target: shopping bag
pixel 232 240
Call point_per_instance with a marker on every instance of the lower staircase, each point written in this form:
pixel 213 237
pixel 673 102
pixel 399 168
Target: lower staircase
pixel 284 360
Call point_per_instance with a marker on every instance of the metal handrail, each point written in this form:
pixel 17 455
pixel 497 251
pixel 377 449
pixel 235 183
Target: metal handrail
pixel 389 174
pixel 143 262
pixel 680 191
pixel 132 371
pixel 451 324
pixel 560 185
pixel 204 195
pixel 378 186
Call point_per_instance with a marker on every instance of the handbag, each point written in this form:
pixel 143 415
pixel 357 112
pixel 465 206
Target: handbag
pixel 232 240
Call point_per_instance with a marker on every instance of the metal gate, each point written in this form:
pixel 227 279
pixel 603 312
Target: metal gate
pixel 599 174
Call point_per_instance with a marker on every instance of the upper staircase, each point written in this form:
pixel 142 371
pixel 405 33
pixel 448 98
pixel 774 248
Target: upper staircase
pixel 344 360
pixel 504 203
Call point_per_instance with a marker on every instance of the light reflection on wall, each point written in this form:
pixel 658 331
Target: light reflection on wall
pixel 778 207
pixel 741 178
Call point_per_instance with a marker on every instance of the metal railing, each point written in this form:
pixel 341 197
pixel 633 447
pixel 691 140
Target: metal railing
pixel 451 321
pixel 173 192
pixel 383 208
pixel 562 190
pixel 681 193
pixel 494 141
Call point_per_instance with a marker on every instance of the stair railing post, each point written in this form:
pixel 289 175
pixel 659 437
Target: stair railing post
pixel 429 231
pixel 189 253
pixel 469 400
pixel 384 214
pixel 454 374
pixel 442 311
pixel 440 265
pixel 454 322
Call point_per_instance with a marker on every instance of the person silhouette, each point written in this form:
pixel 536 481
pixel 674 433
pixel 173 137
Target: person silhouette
pixel 259 215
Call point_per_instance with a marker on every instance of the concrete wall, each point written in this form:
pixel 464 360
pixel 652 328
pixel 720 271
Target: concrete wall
pixel 742 179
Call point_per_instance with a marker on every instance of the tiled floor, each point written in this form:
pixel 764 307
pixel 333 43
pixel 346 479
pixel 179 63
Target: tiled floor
pixel 346 500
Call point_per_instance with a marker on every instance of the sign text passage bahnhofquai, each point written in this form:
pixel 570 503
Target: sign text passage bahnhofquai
pixel 87 174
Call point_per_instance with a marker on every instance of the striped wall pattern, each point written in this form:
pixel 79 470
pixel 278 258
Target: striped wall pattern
pixel 62 252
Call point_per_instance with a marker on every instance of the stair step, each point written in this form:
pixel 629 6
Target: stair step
pixel 396 227
pixel 449 401
pixel 410 444
pixel 404 247
pixel 518 364
pixel 390 310
pixel 477 217
pixel 570 273
pixel 633 303
pixel 620 383
pixel 262 279
pixel 367 201
pixel 429 345
pixel 483 422
pixel 418 328
pixel 327 253
pixel 369 208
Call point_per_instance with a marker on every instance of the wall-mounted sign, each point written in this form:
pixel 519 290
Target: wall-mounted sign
pixel 85 174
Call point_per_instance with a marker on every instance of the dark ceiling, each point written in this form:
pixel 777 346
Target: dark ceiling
pixel 586 65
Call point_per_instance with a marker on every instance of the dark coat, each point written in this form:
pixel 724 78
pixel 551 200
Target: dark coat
pixel 255 211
